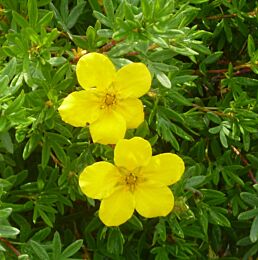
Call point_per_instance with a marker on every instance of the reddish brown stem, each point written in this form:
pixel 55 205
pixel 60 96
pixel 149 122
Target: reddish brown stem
pixel 108 46
pixel 219 17
pixel 239 68
pixel 56 161
pixel 222 16
pixel 53 157
pixel 132 53
pixel 245 163
pixel 86 255
pixel 10 246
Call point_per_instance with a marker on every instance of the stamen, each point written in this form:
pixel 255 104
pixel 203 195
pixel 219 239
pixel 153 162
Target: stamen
pixel 130 181
pixel 110 99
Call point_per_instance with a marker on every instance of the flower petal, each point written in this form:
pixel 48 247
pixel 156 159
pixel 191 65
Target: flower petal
pixel 109 128
pixel 166 168
pixel 153 201
pixel 98 180
pixel 79 108
pixel 132 110
pixel 133 80
pixel 132 153
pixel 95 70
pixel 117 208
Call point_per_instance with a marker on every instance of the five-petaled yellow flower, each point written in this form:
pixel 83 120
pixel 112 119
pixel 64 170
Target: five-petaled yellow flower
pixel 109 102
pixel 138 181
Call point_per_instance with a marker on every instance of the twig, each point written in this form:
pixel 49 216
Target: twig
pixel 53 157
pixel 219 17
pixel 222 16
pixel 10 246
pixel 133 53
pixel 108 46
pixel 246 67
pixel 208 109
pixel 86 255
pixel 245 163
pixel 237 73
pixel 56 161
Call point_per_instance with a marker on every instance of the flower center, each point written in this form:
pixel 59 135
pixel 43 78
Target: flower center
pixel 110 99
pixel 130 181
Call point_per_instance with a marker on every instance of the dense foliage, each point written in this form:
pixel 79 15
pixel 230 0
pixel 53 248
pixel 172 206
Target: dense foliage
pixel 202 105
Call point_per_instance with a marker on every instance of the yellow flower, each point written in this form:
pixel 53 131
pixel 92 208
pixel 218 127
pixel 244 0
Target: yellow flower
pixel 109 101
pixel 138 181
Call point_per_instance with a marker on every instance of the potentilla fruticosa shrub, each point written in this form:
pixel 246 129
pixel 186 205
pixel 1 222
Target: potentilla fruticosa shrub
pixel 128 129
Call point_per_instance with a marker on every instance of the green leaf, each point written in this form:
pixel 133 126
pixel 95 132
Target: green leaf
pixel 146 8
pixel 8 231
pixel 46 19
pixel 31 145
pixel 254 230
pixel 163 79
pixel 16 104
pixel 3 249
pixel 227 30
pixel 180 132
pixel 72 249
pixel 59 151
pixel 218 218
pixel 215 130
pixel 102 18
pixel 161 253
pixel 163 127
pixel 33 12
pixel 246 140
pixel 253 160
pixel 39 250
pixel 244 81
pixel 214 118
pixel 248 214
pixel 94 5
pixel 91 36
pixel 41 234
pixel 177 97
pixel 213 57
pixel 43 2
pixel 64 10
pixel 160 232
pixel 109 8
pixel 20 20
pixel 194 181
pixel 250 46
pixel 57 61
pixel 10 68
pixel 57 246
pixel 223 138
pixel 75 14
pixel 235 178
pixel 45 155
pixel 4 80
pixel 44 216
pixel 115 241
pixel 135 223
pixel 6 141
pixel 5 213
pixel 198 1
